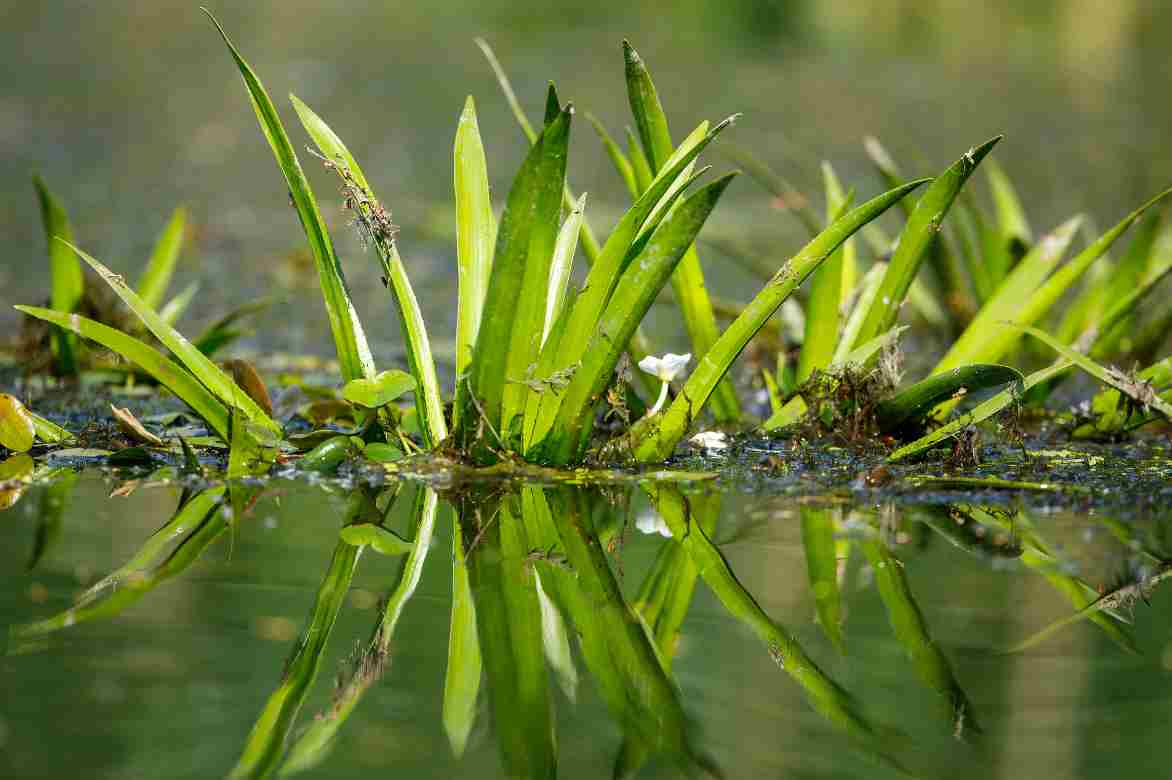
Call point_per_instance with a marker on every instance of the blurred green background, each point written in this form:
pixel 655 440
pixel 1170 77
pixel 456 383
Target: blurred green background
pixel 128 108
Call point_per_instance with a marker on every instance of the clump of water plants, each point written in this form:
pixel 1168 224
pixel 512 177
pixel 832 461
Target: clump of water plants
pixel 538 359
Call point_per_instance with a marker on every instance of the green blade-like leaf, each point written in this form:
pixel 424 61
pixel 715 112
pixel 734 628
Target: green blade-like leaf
pixel 822 307
pixel 589 243
pixel 173 309
pixel 912 404
pixel 688 279
pixel 944 254
pixel 507 88
pixel 1137 390
pixel 475 237
pixel 1109 282
pixel 979 413
pixel 640 167
pixel 639 286
pixel 864 296
pixel 204 370
pixel 48 431
pixel 556 641
pixel 1110 601
pixel 659 437
pixel 411 324
pixel 156 277
pixel 590 247
pixel 1039 556
pixel 68 283
pixel 918 234
pixel 562 265
pixel 626 666
pixel 1011 217
pixel 165 371
pixel 509 340
pixel 349 338
pixel 616 253
pixel 1002 340
pixel 1010 297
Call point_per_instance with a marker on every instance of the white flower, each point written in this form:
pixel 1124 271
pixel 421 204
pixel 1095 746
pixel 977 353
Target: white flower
pixel 710 440
pixel 650 522
pixel 666 368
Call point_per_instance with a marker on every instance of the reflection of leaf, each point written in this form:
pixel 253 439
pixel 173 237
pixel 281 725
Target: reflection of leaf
pixel 15 473
pixel 197 524
pixel 462 679
pixel 627 667
pixel 907 623
pixel 53 502
pixel 1037 555
pixel 382 540
pixel 823 694
pixel 508 616
pixel 1123 597
pixel 266 742
pixel 312 746
pixel 818 528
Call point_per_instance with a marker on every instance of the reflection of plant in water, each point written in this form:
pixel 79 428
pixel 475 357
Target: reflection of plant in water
pixel 532 578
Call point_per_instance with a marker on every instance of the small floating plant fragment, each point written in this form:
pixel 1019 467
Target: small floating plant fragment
pixel 17 431
pixel 131 426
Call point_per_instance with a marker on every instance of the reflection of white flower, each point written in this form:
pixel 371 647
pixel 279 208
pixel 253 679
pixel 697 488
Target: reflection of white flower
pixel 710 440
pixel 666 368
pixel 650 522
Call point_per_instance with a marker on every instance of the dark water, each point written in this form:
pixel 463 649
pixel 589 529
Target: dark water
pixel 165 671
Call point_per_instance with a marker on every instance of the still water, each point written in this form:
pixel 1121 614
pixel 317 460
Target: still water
pixel 644 629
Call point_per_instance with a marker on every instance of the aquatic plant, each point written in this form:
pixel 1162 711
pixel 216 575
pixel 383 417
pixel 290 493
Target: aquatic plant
pixel 1014 282
pixel 537 358
pixel 534 367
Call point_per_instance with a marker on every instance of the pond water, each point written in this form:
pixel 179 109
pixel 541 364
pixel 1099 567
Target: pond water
pixel 752 625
